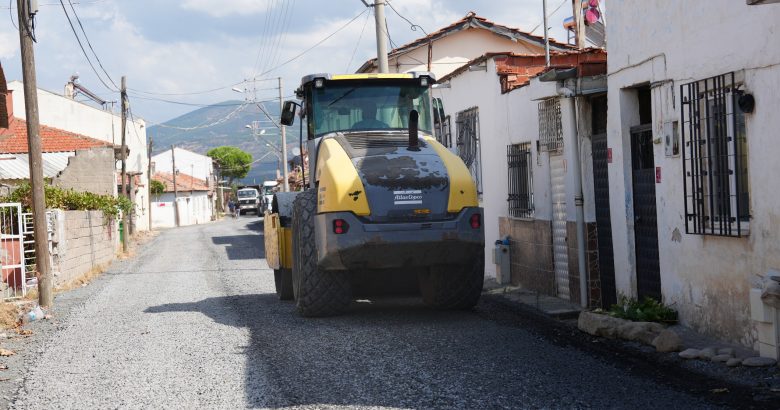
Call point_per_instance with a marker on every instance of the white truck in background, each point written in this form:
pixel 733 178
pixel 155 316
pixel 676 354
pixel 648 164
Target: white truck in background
pixel 269 188
pixel 249 200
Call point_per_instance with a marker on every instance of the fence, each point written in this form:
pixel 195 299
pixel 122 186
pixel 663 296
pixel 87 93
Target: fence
pixel 12 255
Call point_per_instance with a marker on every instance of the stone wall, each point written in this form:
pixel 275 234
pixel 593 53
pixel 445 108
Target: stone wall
pixel 531 253
pixel 82 241
pixel 90 170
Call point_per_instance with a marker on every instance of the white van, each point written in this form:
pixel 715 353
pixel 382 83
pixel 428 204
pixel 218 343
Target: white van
pixel 269 187
pixel 248 200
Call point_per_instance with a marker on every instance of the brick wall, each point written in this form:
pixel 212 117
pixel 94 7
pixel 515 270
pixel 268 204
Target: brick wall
pixel 90 170
pixel 83 240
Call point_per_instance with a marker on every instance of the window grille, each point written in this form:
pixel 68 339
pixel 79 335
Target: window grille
pixel 714 158
pixel 467 122
pixel 550 129
pixel 521 191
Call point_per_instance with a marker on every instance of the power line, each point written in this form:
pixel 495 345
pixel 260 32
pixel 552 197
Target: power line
pixel 360 37
pixel 81 46
pixel 11 14
pixel 78 20
pixel 548 16
pixel 316 44
pixel 281 39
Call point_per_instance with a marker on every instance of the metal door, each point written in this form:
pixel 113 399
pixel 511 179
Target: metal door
pixel 12 258
pixel 560 245
pixel 648 274
pixel 603 221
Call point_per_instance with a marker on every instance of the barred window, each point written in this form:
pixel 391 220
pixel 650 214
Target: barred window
pixel 467 122
pixel 714 157
pixel 550 128
pixel 521 189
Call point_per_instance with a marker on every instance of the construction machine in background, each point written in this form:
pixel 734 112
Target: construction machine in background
pixel 385 199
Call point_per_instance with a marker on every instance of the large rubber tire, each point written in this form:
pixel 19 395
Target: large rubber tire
pixel 317 292
pixel 283 282
pixel 453 286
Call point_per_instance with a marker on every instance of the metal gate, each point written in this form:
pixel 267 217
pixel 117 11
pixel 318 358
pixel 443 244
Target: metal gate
pixel 603 221
pixel 560 246
pixel 12 256
pixel 648 272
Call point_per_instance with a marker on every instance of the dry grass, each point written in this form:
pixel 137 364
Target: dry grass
pixel 9 315
pixel 81 280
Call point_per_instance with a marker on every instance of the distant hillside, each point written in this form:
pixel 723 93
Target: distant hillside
pixel 230 131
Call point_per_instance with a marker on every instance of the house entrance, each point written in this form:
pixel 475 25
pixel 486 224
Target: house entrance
pixel 600 152
pixel 648 276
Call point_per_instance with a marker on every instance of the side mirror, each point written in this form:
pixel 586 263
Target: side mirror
pixel 288 113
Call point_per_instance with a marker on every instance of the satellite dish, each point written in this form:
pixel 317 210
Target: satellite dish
pixel 296 151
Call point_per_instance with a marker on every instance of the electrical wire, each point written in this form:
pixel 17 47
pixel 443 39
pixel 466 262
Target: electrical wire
pixel 548 16
pixel 73 29
pixel 357 45
pixel 11 14
pixel 278 34
pixel 299 55
pixel 78 20
pixel 222 120
pixel 285 26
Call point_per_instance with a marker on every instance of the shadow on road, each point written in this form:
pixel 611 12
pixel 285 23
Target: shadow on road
pixel 242 246
pixel 395 353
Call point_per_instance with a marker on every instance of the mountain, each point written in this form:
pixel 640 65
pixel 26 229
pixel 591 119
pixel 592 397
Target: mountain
pixel 225 124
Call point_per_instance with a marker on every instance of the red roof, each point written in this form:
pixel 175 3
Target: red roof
pixel 184 182
pixel 517 70
pixel 13 140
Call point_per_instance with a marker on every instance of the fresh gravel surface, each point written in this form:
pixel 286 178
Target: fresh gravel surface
pixel 193 322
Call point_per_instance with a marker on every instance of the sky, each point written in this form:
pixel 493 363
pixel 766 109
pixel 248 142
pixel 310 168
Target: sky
pixel 178 55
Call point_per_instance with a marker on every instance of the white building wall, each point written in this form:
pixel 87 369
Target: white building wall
pixel 194 208
pixel 667 44
pixel 188 162
pixel 60 112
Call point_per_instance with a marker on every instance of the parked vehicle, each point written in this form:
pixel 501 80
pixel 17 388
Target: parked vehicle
pixel 387 199
pixel 269 187
pixel 248 200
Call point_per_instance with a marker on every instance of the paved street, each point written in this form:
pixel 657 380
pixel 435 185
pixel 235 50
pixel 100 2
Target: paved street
pixel 193 322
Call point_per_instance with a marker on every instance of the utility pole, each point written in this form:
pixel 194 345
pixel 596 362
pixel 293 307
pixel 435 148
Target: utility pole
pixel 175 187
pixel 381 36
pixel 149 177
pixel 546 35
pixel 125 216
pixel 282 128
pixel 42 261
pixel 579 21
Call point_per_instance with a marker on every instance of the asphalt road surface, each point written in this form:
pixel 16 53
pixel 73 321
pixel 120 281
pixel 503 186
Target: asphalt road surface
pixel 193 322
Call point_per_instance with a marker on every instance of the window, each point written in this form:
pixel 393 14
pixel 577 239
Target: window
pixel 521 189
pixel 550 129
pixel 360 106
pixel 441 124
pixel 714 157
pixel 467 122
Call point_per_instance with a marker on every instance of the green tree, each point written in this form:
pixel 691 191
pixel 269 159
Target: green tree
pixel 157 187
pixel 234 163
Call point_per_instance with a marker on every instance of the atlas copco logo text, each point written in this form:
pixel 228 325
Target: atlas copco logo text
pixel 407 197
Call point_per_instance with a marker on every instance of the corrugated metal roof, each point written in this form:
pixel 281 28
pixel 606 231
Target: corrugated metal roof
pixel 17 166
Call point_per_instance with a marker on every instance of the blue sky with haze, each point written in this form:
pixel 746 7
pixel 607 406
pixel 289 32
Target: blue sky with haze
pixel 184 46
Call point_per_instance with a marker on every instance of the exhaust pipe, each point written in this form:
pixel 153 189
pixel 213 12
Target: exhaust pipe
pixel 414 139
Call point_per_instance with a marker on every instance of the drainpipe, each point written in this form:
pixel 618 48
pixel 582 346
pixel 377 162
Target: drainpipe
pixel 578 197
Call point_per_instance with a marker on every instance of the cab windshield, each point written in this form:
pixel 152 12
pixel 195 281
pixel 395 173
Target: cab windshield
pixel 247 194
pixel 363 106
